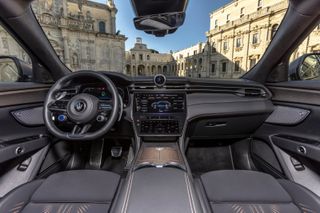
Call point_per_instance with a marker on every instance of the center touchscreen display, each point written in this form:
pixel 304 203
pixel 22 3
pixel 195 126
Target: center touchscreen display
pixel 160 102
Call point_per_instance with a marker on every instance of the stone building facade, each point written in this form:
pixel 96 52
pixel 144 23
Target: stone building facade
pixel 9 46
pixel 239 34
pixel 142 61
pixel 193 61
pixel 82 32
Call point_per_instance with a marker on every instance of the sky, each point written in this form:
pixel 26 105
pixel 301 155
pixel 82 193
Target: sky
pixel 193 31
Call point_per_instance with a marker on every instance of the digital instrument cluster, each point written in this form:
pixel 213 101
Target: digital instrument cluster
pixel 100 92
pixel 103 93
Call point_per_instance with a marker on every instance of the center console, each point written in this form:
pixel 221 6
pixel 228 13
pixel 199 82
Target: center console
pixel 159 182
pixel 159 179
pixel 158 113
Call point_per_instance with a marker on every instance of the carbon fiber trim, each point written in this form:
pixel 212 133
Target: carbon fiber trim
pixel 30 116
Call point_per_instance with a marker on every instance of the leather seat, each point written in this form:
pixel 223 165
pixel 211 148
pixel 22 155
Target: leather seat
pixel 81 191
pixel 255 192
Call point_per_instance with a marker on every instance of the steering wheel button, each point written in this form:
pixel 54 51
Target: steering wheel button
pixel 100 118
pixel 62 118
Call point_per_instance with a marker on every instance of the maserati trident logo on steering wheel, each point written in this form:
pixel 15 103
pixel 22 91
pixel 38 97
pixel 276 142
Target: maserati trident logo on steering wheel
pixel 80 106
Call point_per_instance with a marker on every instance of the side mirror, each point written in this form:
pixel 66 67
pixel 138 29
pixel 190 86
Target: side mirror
pixel 306 67
pixel 165 23
pixel 14 70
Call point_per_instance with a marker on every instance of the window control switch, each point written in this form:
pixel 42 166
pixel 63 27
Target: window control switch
pixel 297 164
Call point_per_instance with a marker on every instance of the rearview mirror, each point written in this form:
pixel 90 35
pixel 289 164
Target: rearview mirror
pixel 159 17
pixel 160 22
pixel 306 67
pixel 13 70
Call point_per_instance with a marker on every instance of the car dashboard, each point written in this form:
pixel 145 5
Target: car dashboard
pixel 173 107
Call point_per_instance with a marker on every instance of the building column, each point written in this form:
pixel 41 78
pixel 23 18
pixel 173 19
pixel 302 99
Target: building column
pixel 248 47
pixel 113 21
pixel 65 8
pixel 66 49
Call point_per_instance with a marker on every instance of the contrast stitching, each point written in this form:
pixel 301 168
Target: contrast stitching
pixel 83 208
pixel 261 208
pixel 17 207
pixel 237 208
pixel 274 209
pixel 305 208
pixel 74 202
pixel 47 209
pixel 248 202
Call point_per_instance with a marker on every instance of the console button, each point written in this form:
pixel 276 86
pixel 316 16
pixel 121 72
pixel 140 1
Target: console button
pixel 159 127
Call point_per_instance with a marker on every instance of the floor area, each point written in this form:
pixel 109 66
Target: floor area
pixel 206 156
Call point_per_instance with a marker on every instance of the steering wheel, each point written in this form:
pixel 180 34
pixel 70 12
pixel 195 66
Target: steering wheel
pixel 82 110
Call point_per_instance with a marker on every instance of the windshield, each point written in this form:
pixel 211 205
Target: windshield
pixel 219 39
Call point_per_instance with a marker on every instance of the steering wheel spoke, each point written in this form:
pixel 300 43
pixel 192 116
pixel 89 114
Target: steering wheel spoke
pixel 79 130
pixel 58 106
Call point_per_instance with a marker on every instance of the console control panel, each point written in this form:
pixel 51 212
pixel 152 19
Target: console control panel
pixel 159 127
pixel 159 113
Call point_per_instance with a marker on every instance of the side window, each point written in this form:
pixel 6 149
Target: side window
pixel 304 62
pixel 15 63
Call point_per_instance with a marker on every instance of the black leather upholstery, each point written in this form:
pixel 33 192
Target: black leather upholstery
pixel 83 191
pixel 249 191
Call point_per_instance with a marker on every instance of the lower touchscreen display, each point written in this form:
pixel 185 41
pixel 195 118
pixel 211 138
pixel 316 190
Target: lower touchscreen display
pixel 160 102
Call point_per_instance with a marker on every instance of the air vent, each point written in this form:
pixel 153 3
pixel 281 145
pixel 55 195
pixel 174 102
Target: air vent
pixel 66 94
pixel 137 87
pixel 194 88
pixel 251 92
pixel 70 92
pixel 215 89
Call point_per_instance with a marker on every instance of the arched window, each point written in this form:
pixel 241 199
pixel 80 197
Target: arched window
pixel 165 69
pixel 102 27
pixel 200 64
pixel 274 30
pixel 128 69
pixel 148 57
pixel 195 63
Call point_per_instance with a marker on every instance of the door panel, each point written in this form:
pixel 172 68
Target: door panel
pixel 12 128
pixel 23 137
pixel 22 128
pixel 294 140
pixel 18 93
